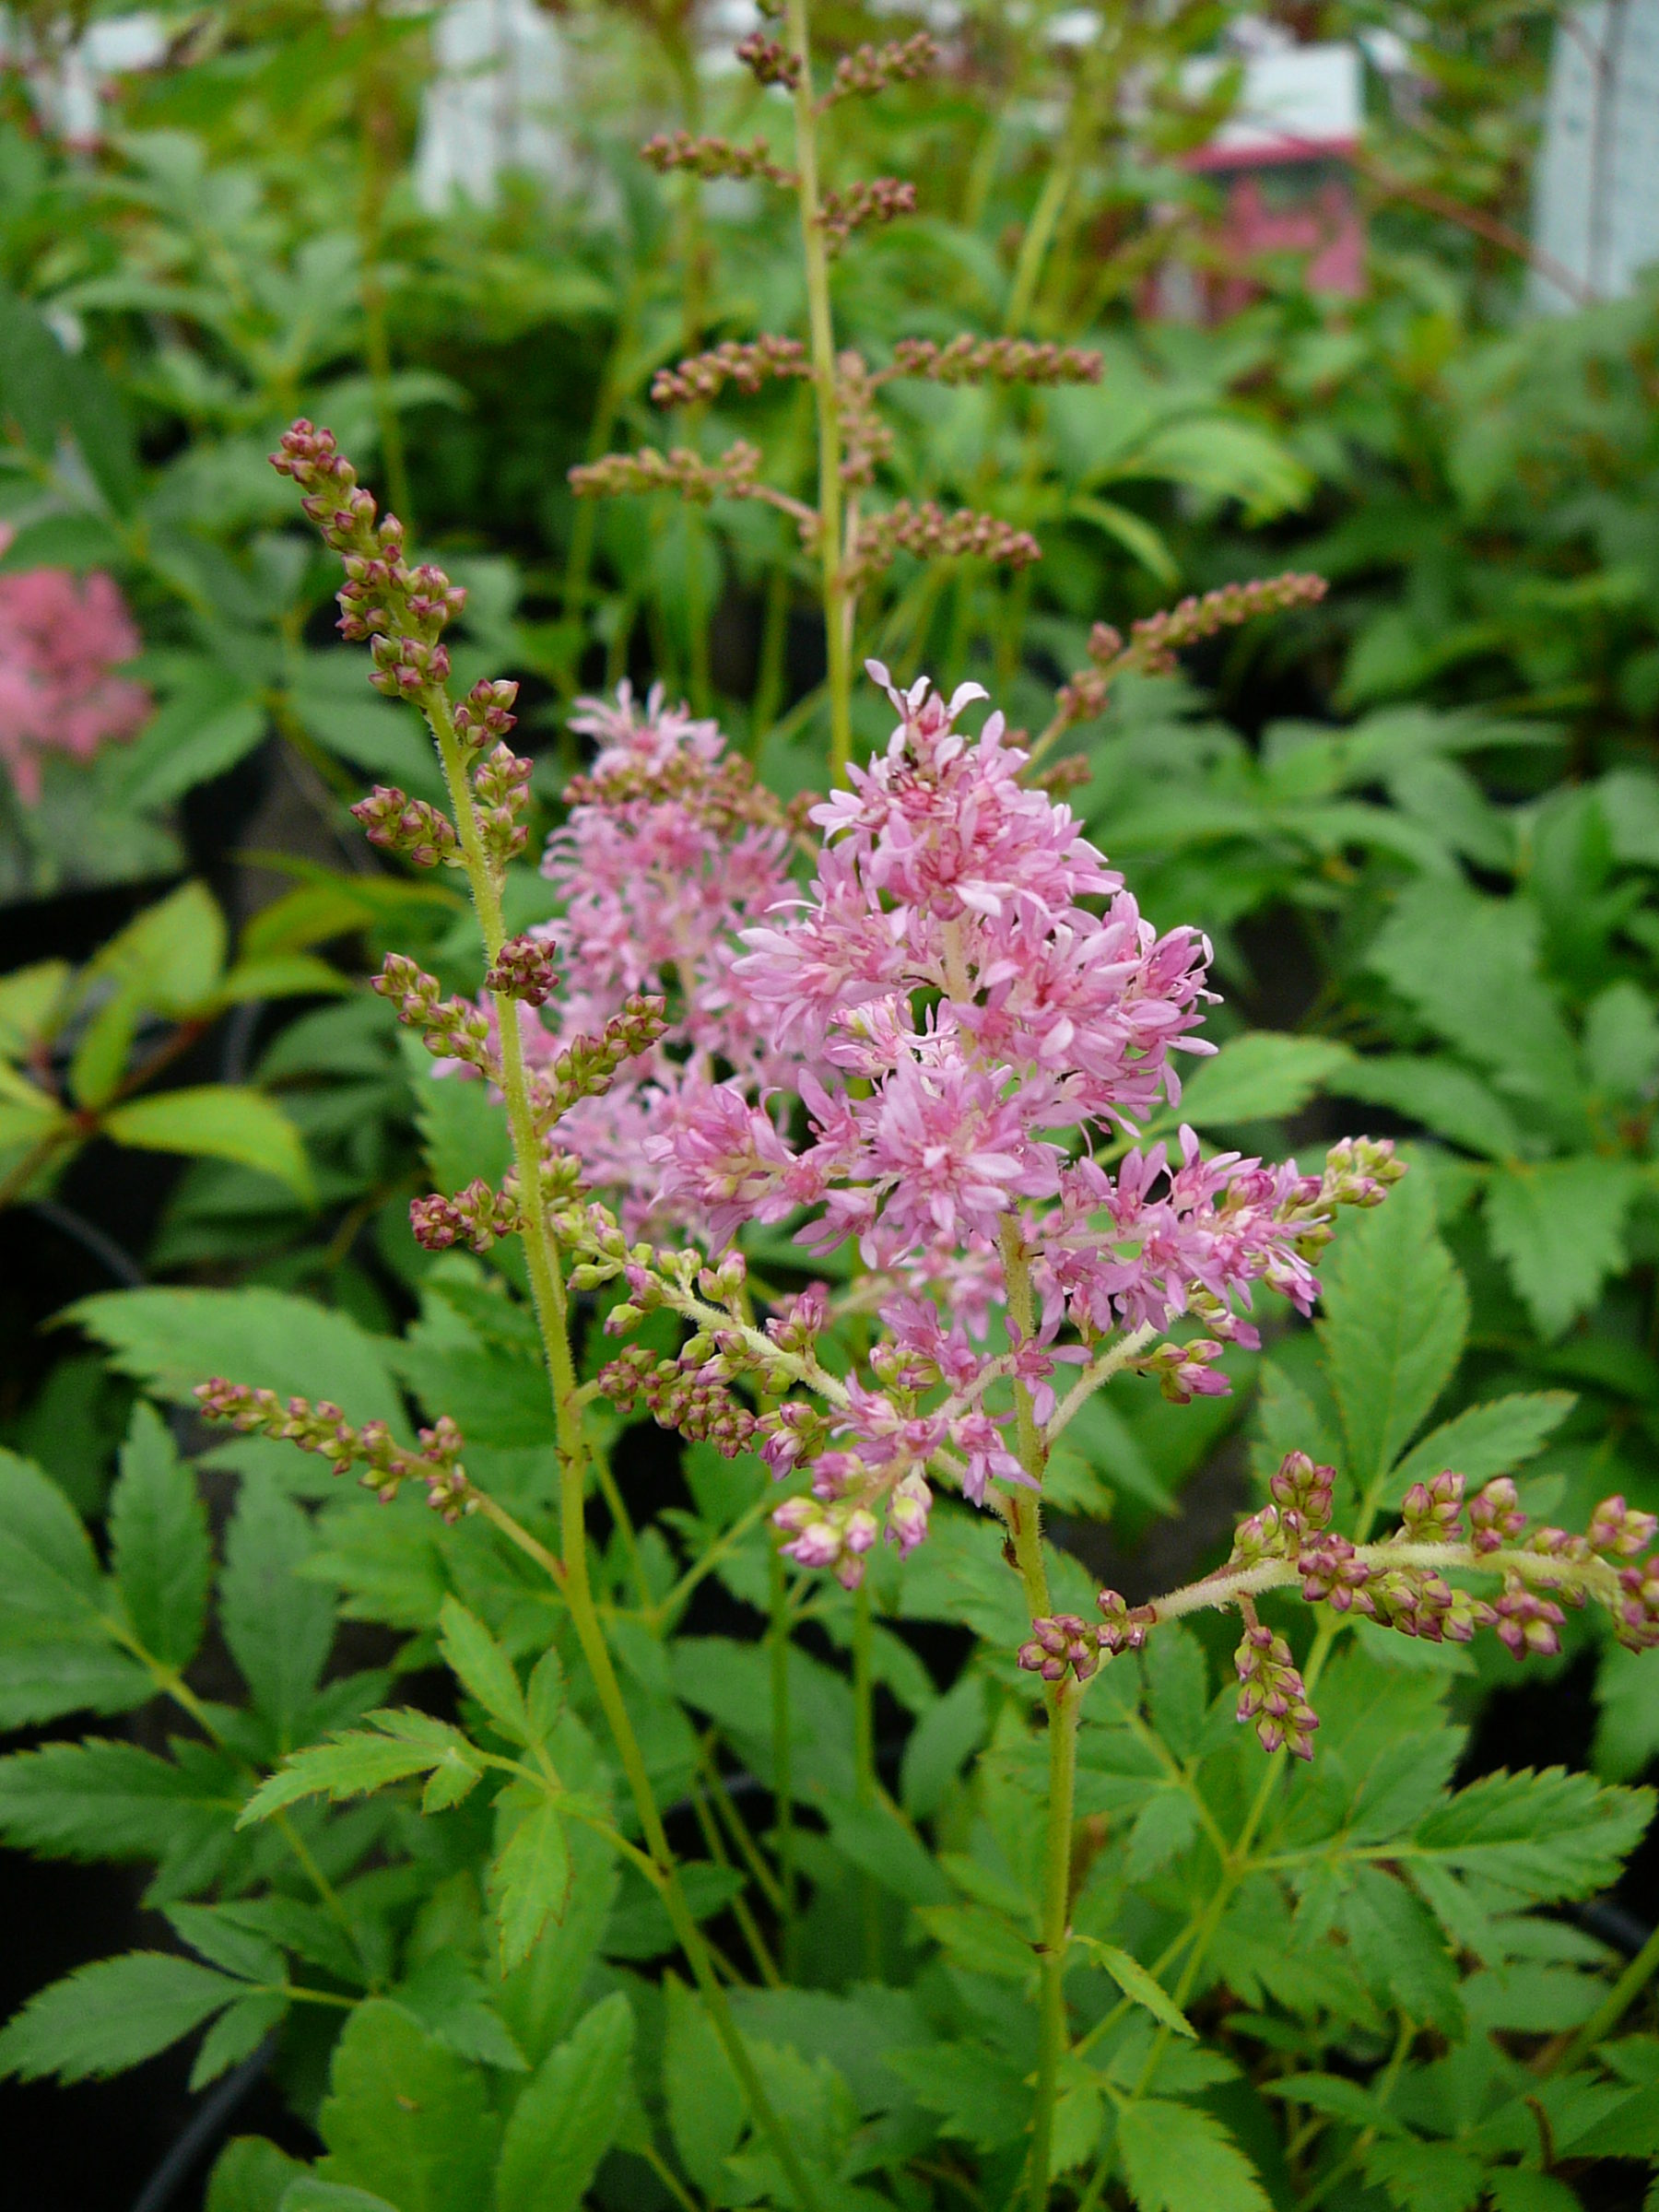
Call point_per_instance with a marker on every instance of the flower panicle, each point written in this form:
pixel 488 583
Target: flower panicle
pixel 871 200
pixel 1154 641
pixel 733 476
pixel 746 363
pixel 322 1428
pixel 871 69
pixel 450 1029
pixel 927 532
pixel 711 156
pixel 1401 1583
pixel 969 360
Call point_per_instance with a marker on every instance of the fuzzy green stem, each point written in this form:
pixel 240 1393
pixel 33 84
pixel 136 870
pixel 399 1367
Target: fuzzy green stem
pixel 1063 1706
pixel 783 1780
pixel 864 1763
pixel 821 326
pixel 547 1289
pixel 1064 1702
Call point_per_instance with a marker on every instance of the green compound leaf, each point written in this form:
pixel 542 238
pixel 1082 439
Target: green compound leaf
pixel 1260 1077
pixel 108 2016
pixel 1488 1439
pixel 1179 2159
pixel 58 1653
pixel 1395 1315
pixel 158 1542
pixel 108 1800
pixel 530 1882
pixel 353 1765
pixel 1135 1982
pixel 404 2117
pixel 1549 1834
pixel 1559 1226
pixel 706 2104
pixel 484 1668
pixel 217 1121
pixel 278 1624
pixel 567 2118
pixel 1425 2177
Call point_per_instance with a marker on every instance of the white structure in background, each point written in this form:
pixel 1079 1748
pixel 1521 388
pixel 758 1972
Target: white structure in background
pixel 502 76
pixel 1596 192
pixel 65 77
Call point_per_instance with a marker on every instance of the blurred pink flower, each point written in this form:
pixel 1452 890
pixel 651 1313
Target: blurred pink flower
pixel 59 642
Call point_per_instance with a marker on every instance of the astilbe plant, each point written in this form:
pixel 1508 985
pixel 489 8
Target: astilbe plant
pixel 61 642
pixel 934 1052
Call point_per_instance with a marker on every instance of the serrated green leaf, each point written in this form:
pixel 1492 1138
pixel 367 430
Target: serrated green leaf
pixel 1559 1226
pixel 1135 1982
pixel 108 2016
pixel 484 1668
pixel 1261 1076
pixel 225 1941
pixel 1178 2157
pixel 349 1766
pixel 249 2175
pixel 174 1339
pixel 565 2122
pixel 450 2001
pixel 529 1882
pixel 705 2101
pixel 979 2095
pixel 56 1629
pixel 1444 1097
pixel 1425 2177
pixel 1163 1829
pixel 1399 1948
pixel 544 1699
pixel 278 1625
pixel 158 1542
pixel 878 1844
pixel 217 1121
pixel 407 2119
pixel 1489 1440
pixel 1549 1834
pixel 171 957
pixel 209 721
pixel 237 2034
pixel 1395 1314
pixel 109 1800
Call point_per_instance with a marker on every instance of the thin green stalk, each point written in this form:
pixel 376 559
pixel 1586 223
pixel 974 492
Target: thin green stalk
pixel 864 1763
pixel 377 123
pixel 584 525
pixel 1063 1706
pixel 1064 1703
pixel 783 1780
pixel 1614 2006
pixel 547 1287
pixel 746 1927
pixel 821 326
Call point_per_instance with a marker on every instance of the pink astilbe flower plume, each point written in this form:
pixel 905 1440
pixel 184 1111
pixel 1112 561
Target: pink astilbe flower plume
pixel 61 641
pixel 923 1051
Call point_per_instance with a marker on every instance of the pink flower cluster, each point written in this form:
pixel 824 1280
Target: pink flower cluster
pixel 968 1004
pixel 60 640
pixel 666 855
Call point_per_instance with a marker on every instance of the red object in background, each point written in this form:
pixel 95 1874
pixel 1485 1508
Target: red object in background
pixel 1282 156
pixel 1321 220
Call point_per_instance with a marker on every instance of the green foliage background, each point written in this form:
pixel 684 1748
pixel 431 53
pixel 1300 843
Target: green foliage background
pixel 1421 825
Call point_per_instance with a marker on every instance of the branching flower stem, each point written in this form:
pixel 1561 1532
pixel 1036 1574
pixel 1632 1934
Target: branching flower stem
pixel 1064 1704
pixel 547 1287
pixel 820 322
